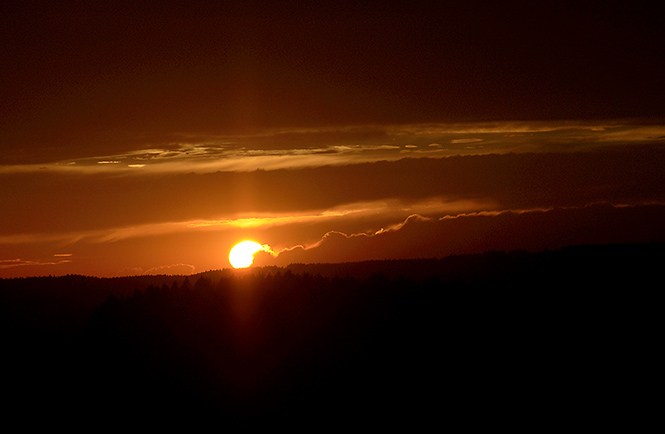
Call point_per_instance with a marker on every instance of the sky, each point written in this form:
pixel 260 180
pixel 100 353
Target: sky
pixel 150 137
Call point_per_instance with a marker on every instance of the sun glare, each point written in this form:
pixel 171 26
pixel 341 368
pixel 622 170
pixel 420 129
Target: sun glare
pixel 242 254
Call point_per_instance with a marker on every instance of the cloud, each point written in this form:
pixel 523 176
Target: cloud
pixel 398 226
pixel 186 269
pixel 130 271
pixel 533 229
pixel 462 141
pixel 311 147
pixel 10 263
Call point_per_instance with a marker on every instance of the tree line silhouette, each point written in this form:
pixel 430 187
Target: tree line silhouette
pixel 509 335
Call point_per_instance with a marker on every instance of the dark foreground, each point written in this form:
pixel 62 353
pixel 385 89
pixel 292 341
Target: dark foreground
pixel 500 339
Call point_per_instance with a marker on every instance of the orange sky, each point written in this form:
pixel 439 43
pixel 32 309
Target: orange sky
pixel 151 139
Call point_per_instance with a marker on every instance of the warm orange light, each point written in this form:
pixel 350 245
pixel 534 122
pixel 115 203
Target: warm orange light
pixel 242 254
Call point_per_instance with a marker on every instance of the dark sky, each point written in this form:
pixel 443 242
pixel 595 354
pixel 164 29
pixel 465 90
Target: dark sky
pixel 85 77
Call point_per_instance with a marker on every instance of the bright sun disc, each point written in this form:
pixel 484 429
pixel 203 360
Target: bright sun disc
pixel 242 254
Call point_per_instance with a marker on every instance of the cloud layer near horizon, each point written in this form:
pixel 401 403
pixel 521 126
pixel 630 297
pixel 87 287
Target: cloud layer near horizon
pixel 533 230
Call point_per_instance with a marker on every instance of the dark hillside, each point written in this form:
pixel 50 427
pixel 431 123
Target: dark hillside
pixel 499 338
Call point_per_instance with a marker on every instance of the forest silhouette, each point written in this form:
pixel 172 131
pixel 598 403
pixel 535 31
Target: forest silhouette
pixel 496 338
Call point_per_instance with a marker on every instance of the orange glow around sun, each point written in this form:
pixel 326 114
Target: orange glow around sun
pixel 242 254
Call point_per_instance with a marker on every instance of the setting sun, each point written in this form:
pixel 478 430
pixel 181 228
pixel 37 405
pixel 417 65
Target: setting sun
pixel 242 254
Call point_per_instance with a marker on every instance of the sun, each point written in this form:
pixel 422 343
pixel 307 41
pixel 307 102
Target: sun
pixel 242 254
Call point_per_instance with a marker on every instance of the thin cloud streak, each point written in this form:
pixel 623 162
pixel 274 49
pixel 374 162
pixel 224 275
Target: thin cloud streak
pixel 363 210
pixel 356 145
pixel 11 263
